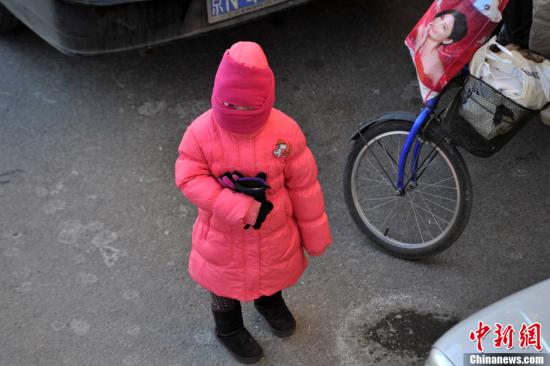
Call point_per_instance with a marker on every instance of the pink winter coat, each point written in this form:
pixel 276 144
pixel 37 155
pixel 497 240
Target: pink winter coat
pixel 225 258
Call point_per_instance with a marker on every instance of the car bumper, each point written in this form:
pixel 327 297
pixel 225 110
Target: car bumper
pixel 90 27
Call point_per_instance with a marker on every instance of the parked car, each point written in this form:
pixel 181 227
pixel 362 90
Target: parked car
pixel 89 27
pixel 530 306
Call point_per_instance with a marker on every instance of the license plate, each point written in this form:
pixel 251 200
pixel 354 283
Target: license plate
pixel 219 10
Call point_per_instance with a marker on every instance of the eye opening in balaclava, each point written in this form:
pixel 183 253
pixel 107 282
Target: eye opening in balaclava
pixel 239 107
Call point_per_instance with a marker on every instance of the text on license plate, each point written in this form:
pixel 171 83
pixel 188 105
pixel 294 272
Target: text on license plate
pixel 219 10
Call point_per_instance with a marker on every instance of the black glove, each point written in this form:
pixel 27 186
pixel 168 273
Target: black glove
pixel 228 180
pixel 255 187
pixel 265 209
pixel 252 186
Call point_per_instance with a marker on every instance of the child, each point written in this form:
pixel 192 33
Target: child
pixel 249 235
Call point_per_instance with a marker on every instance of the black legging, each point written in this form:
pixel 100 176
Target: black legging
pixel 220 303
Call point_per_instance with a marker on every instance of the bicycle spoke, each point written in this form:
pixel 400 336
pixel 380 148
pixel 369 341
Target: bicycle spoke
pixel 414 204
pixel 394 165
pixel 376 181
pixel 433 184
pixel 416 218
pixel 427 166
pixel 382 204
pixel 387 217
pixel 421 167
pixel 379 198
pixel 408 214
pixel 431 213
pixel 382 168
pixel 437 204
pixel 435 195
pixel 434 149
pixel 380 174
pixel 437 216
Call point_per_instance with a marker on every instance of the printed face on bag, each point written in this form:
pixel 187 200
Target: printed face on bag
pixel 449 26
pixel 441 28
pixel 446 28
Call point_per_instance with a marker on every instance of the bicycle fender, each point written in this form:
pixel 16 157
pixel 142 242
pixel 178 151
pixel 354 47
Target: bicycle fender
pixel 390 116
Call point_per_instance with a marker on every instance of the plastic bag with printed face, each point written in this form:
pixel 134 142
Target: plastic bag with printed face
pixel 447 36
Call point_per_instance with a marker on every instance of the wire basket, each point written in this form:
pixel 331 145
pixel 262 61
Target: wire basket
pixel 481 119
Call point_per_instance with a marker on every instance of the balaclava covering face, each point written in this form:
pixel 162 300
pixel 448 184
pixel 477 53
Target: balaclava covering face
pixel 244 89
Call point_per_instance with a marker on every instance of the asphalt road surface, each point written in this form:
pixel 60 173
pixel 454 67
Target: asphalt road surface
pixel 94 235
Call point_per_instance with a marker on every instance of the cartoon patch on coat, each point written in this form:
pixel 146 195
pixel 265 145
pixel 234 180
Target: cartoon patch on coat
pixel 282 149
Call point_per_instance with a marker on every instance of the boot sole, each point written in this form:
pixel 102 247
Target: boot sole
pixel 247 360
pixel 241 359
pixel 283 333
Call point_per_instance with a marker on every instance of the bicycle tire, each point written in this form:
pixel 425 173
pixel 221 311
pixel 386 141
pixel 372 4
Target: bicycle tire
pixel 464 191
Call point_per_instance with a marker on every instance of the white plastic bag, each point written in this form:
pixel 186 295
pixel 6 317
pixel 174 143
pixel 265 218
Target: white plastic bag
pixel 523 80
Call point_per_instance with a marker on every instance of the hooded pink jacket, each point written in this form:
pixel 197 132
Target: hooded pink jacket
pixel 244 132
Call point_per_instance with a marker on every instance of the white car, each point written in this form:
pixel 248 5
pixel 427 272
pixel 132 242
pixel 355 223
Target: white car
pixel 521 312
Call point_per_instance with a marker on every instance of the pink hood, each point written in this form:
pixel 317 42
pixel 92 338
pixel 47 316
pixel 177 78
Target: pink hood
pixel 244 89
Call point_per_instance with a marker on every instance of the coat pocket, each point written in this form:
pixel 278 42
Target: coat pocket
pixel 216 248
pixel 278 217
pixel 282 245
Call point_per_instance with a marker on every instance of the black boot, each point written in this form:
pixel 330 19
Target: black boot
pixel 277 315
pixel 234 336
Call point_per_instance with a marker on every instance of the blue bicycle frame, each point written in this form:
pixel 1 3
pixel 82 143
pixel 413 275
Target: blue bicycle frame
pixel 421 119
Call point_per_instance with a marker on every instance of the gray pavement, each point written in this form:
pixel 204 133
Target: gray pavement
pixel 94 235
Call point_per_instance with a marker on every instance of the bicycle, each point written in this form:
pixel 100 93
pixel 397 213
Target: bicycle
pixel 417 205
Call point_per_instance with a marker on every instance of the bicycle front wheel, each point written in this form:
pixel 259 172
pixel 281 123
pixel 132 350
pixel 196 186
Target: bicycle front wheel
pixel 434 208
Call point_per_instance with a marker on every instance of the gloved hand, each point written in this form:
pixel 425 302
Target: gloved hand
pixel 265 209
pixel 227 180
pixel 252 186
